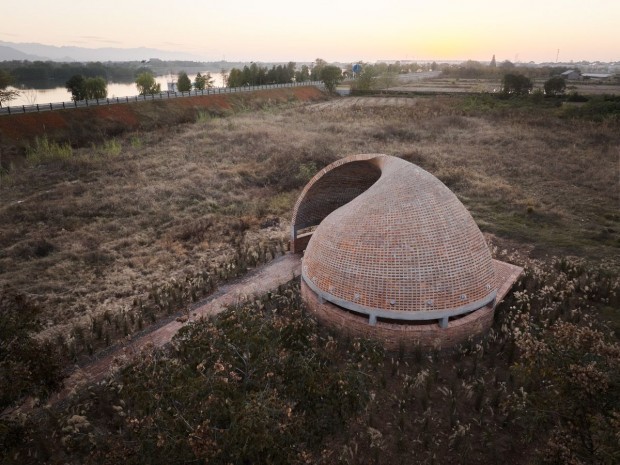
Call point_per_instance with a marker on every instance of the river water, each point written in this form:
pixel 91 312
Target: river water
pixel 115 89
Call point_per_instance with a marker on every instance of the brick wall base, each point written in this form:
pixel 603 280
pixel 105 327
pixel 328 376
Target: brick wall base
pixel 299 244
pixel 396 336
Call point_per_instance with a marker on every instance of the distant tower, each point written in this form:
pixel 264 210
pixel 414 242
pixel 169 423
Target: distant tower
pixel 557 55
pixel 493 63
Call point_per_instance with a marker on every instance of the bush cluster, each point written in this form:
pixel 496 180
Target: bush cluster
pixel 262 383
pixel 27 365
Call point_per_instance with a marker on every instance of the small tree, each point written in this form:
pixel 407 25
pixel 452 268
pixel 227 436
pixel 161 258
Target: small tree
pixel 555 86
pixel 145 82
pixel 202 82
pixel 493 63
pixel 75 85
pixel 234 78
pixel 183 82
pixel 95 88
pixel 516 84
pixel 5 81
pixel 389 79
pixel 331 76
pixel 317 67
pixel 302 75
pixel 82 88
pixel 367 78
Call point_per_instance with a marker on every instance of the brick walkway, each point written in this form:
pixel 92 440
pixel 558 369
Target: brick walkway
pixel 262 279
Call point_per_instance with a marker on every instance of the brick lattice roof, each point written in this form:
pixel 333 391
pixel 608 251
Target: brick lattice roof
pixel 391 237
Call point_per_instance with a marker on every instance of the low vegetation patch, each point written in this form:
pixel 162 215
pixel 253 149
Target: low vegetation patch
pixel 257 384
pixel 262 383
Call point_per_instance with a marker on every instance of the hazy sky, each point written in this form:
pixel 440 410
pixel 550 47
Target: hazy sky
pixel 336 30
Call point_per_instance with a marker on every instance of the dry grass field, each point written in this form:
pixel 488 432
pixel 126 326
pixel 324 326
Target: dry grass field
pixel 449 85
pixel 107 239
pixel 87 233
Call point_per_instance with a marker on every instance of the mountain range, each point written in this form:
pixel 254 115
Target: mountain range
pixel 41 52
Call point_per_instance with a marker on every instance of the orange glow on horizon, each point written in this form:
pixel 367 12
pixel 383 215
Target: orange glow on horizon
pixel 342 30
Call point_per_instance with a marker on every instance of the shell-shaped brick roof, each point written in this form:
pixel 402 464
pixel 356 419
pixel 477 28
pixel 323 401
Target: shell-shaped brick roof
pixel 392 241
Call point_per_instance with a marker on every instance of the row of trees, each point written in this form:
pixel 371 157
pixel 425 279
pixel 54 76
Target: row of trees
pixel 82 88
pixel 146 84
pixel 255 75
pixel 48 74
pixel 472 69
pixel 518 84
pixel 87 88
pixel 51 74
pixel 202 82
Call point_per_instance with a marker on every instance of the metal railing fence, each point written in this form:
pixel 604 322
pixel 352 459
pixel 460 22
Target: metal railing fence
pixel 12 110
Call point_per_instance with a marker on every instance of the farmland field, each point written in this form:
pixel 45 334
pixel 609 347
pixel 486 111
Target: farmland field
pixel 409 83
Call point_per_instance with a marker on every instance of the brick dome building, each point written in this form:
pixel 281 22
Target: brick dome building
pixel 391 253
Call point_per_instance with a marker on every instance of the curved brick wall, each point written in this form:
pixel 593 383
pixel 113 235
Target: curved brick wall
pixel 395 254
pixel 333 187
pixel 404 244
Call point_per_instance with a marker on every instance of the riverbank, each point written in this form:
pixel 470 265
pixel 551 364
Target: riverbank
pixel 83 126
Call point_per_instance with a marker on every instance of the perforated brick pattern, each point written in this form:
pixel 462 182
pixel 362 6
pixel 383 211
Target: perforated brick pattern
pixel 405 243
pixel 338 185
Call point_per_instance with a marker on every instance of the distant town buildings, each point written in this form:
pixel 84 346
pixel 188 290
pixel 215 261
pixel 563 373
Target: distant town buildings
pixel 574 74
pixel 571 74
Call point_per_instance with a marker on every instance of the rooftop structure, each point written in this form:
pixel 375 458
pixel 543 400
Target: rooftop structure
pixel 391 253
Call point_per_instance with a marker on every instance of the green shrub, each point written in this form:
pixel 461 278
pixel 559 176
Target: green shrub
pixel 203 117
pixel 576 97
pixel 112 147
pixel 45 151
pixel 599 108
pixel 136 142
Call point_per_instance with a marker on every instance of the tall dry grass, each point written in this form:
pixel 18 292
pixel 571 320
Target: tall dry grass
pixel 88 235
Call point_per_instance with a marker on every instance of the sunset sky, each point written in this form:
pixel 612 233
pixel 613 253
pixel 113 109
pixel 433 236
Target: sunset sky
pixel 336 30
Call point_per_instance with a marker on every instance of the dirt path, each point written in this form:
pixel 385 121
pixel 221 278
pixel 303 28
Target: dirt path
pixel 364 102
pixel 260 280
